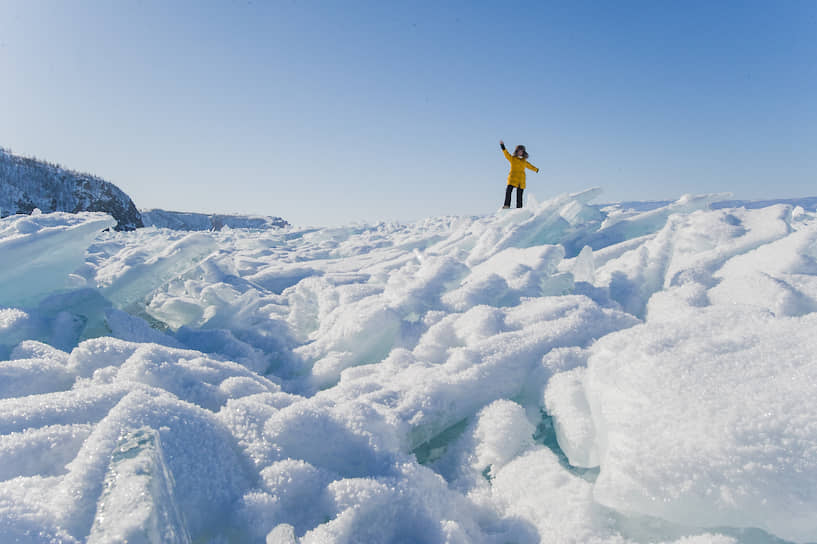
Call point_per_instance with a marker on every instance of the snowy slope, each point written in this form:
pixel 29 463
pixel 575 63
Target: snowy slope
pixel 26 184
pixel 201 221
pixel 560 373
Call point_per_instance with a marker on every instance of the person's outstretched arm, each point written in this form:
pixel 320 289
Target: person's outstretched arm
pixel 505 151
pixel 531 167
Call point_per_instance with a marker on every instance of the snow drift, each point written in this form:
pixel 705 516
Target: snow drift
pixel 561 373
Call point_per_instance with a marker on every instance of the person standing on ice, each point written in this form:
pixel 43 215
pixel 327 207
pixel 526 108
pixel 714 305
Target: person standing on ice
pixel 516 178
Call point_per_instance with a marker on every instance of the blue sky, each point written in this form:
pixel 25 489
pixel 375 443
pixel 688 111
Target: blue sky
pixel 330 112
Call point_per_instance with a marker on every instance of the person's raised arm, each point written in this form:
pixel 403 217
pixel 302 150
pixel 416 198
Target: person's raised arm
pixel 504 151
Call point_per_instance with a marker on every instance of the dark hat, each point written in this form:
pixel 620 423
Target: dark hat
pixel 524 153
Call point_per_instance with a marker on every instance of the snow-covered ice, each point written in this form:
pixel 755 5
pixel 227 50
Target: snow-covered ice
pixel 567 372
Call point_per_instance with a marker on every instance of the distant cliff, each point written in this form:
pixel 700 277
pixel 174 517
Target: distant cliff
pixel 202 221
pixel 26 184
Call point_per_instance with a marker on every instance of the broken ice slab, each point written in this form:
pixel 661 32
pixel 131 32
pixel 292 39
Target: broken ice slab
pixel 131 282
pixel 137 503
pixel 37 253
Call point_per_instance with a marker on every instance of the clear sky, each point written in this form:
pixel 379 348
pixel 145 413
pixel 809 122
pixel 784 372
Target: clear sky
pixel 330 112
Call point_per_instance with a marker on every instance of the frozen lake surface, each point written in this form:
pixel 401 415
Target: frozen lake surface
pixel 567 372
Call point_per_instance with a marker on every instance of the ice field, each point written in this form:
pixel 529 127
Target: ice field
pixel 564 373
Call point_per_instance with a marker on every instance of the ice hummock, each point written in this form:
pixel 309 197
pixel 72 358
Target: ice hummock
pixel 567 372
pixel 714 419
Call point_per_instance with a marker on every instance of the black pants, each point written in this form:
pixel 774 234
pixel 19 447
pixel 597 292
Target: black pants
pixel 508 192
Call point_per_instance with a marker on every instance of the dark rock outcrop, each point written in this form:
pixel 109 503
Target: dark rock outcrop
pixel 27 183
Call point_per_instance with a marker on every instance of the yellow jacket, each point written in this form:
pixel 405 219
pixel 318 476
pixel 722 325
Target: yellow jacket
pixel 517 174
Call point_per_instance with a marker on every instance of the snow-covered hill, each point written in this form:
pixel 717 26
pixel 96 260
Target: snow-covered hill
pixel 26 184
pixel 201 221
pixel 564 373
